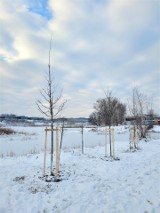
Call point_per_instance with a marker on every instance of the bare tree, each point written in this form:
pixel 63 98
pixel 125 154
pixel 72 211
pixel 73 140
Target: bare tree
pixel 119 115
pixel 138 107
pixel 95 118
pixel 52 104
pixel 107 111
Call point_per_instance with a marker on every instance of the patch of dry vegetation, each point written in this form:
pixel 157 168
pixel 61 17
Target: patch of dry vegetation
pixel 9 131
pixel 6 131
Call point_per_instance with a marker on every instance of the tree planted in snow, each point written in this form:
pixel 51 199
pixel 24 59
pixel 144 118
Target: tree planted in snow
pixel 108 111
pixel 138 108
pixel 51 104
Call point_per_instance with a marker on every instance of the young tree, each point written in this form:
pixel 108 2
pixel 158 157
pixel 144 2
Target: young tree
pixel 111 107
pixel 52 104
pixel 138 107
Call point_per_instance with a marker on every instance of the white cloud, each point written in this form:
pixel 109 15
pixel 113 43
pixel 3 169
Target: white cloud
pixel 21 31
pixel 97 45
pixel 132 16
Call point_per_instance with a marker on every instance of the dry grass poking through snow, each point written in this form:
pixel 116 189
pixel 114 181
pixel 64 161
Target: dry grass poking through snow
pixel 6 131
pixel 9 131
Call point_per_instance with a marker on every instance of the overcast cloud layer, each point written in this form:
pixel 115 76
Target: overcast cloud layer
pixel 97 45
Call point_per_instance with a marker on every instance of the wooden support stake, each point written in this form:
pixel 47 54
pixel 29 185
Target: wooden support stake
pixel 113 149
pixel 110 133
pixel 105 134
pixel 45 147
pixel 57 151
pixel 133 139
pixel 57 154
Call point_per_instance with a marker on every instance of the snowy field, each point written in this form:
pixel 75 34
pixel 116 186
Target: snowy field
pixel 89 184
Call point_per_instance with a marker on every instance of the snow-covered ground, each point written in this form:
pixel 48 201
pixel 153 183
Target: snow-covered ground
pixel 88 182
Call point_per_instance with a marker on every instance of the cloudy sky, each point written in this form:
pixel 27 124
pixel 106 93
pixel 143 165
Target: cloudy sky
pixel 97 45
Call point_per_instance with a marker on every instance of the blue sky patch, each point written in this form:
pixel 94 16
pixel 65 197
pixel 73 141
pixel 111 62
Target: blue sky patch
pixel 40 7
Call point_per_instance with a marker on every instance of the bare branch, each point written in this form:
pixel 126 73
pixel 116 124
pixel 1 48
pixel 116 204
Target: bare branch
pixel 43 112
pixel 42 105
pixel 44 96
pixel 60 108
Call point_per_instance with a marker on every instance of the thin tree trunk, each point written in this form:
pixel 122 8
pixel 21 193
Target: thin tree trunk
pixel 61 141
pixel 52 147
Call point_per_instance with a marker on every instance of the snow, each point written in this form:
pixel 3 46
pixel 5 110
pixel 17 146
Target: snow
pixel 156 129
pixel 88 183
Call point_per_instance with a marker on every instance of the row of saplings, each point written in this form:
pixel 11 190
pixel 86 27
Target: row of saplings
pixel 109 135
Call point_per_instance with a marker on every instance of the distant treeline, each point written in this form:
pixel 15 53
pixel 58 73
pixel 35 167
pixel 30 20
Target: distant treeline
pixel 22 118
pixel 19 117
